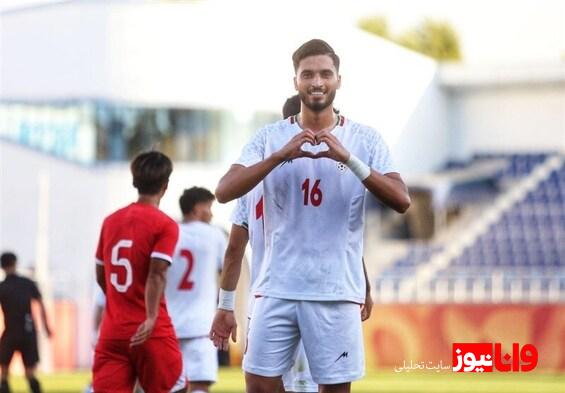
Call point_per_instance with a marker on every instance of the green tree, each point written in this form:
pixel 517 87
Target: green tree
pixel 376 24
pixel 433 38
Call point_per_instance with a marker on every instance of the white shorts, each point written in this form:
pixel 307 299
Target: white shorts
pixel 331 333
pixel 298 378
pixel 199 358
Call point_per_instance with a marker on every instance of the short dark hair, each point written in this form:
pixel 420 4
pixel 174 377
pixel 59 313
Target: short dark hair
pixel 192 196
pixel 313 48
pixel 151 171
pixel 8 259
pixel 291 106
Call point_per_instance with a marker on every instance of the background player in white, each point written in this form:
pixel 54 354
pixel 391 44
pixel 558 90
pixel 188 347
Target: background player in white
pixel 192 286
pixel 314 172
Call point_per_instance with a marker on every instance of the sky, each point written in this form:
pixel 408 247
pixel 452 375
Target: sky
pixel 491 31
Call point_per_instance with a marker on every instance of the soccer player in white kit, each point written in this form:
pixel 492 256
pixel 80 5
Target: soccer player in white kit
pixel 192 286
pixel 247 224
pixel 314 172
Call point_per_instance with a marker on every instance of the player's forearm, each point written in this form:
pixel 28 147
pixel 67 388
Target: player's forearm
pixel 239 180
pixel 98 317
pixel 367 283
pixel 154 288
pixel 44 316
pixel 232 267
pixel 391 191
pixel 43 313
pixel 101 278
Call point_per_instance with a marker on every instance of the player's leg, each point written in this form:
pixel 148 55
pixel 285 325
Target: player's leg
pixel 30 357
pixel 112 370
pixel 200 360
pixel 259 384
pixel 272 340
pixel 4 385
pixel 32 381
pixel 7 348
pixel 250 307
pixel 298 379
pixel 333 342
pixel 336 388
pixel 158 364
pixel 137 388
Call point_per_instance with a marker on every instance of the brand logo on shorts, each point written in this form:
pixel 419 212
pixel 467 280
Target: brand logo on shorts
pixel 343 355
pixel 341 167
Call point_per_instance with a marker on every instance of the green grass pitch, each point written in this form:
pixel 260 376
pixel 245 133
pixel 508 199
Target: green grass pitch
pixel 231 381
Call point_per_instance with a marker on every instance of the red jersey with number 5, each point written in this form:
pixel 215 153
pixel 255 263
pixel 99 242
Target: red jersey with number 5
pixel 129 238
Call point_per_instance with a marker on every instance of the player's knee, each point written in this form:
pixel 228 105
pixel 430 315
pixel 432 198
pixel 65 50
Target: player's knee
pixel 259 384
pixel 336 388
pixel 30 373
pixel 200 386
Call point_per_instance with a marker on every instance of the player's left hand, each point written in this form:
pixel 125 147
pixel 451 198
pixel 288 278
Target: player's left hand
pixel 143 332
pixel 367 307
pixel 335 151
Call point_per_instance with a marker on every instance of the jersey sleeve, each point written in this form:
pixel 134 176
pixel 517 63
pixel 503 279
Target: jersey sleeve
pixel 254 151
pixel 166 241
pixel 239 214
pixel 381 159
pixel 100 248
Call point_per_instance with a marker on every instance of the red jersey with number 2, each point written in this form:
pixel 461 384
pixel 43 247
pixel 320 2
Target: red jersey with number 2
pixel 129 238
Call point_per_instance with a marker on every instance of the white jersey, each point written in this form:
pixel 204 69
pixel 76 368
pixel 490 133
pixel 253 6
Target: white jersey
pixel 248 213
pixel 192 278
pixel 314 215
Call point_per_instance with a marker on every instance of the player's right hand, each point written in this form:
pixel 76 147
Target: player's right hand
pixel 367 307
pixel 223 326
pixel 293 149
pixel 143 332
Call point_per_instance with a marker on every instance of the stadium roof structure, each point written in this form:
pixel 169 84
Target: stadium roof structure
pixel 454 77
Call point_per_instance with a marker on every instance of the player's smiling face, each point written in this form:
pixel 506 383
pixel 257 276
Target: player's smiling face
pixel 316 81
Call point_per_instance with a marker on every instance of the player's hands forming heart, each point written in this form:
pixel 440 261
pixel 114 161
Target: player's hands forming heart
pixel 326 145
pixel 293 148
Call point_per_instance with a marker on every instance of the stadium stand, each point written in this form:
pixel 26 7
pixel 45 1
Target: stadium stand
pixel 517 255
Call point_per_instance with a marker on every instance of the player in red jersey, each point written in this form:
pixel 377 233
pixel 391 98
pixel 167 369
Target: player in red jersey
pixel 136 245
